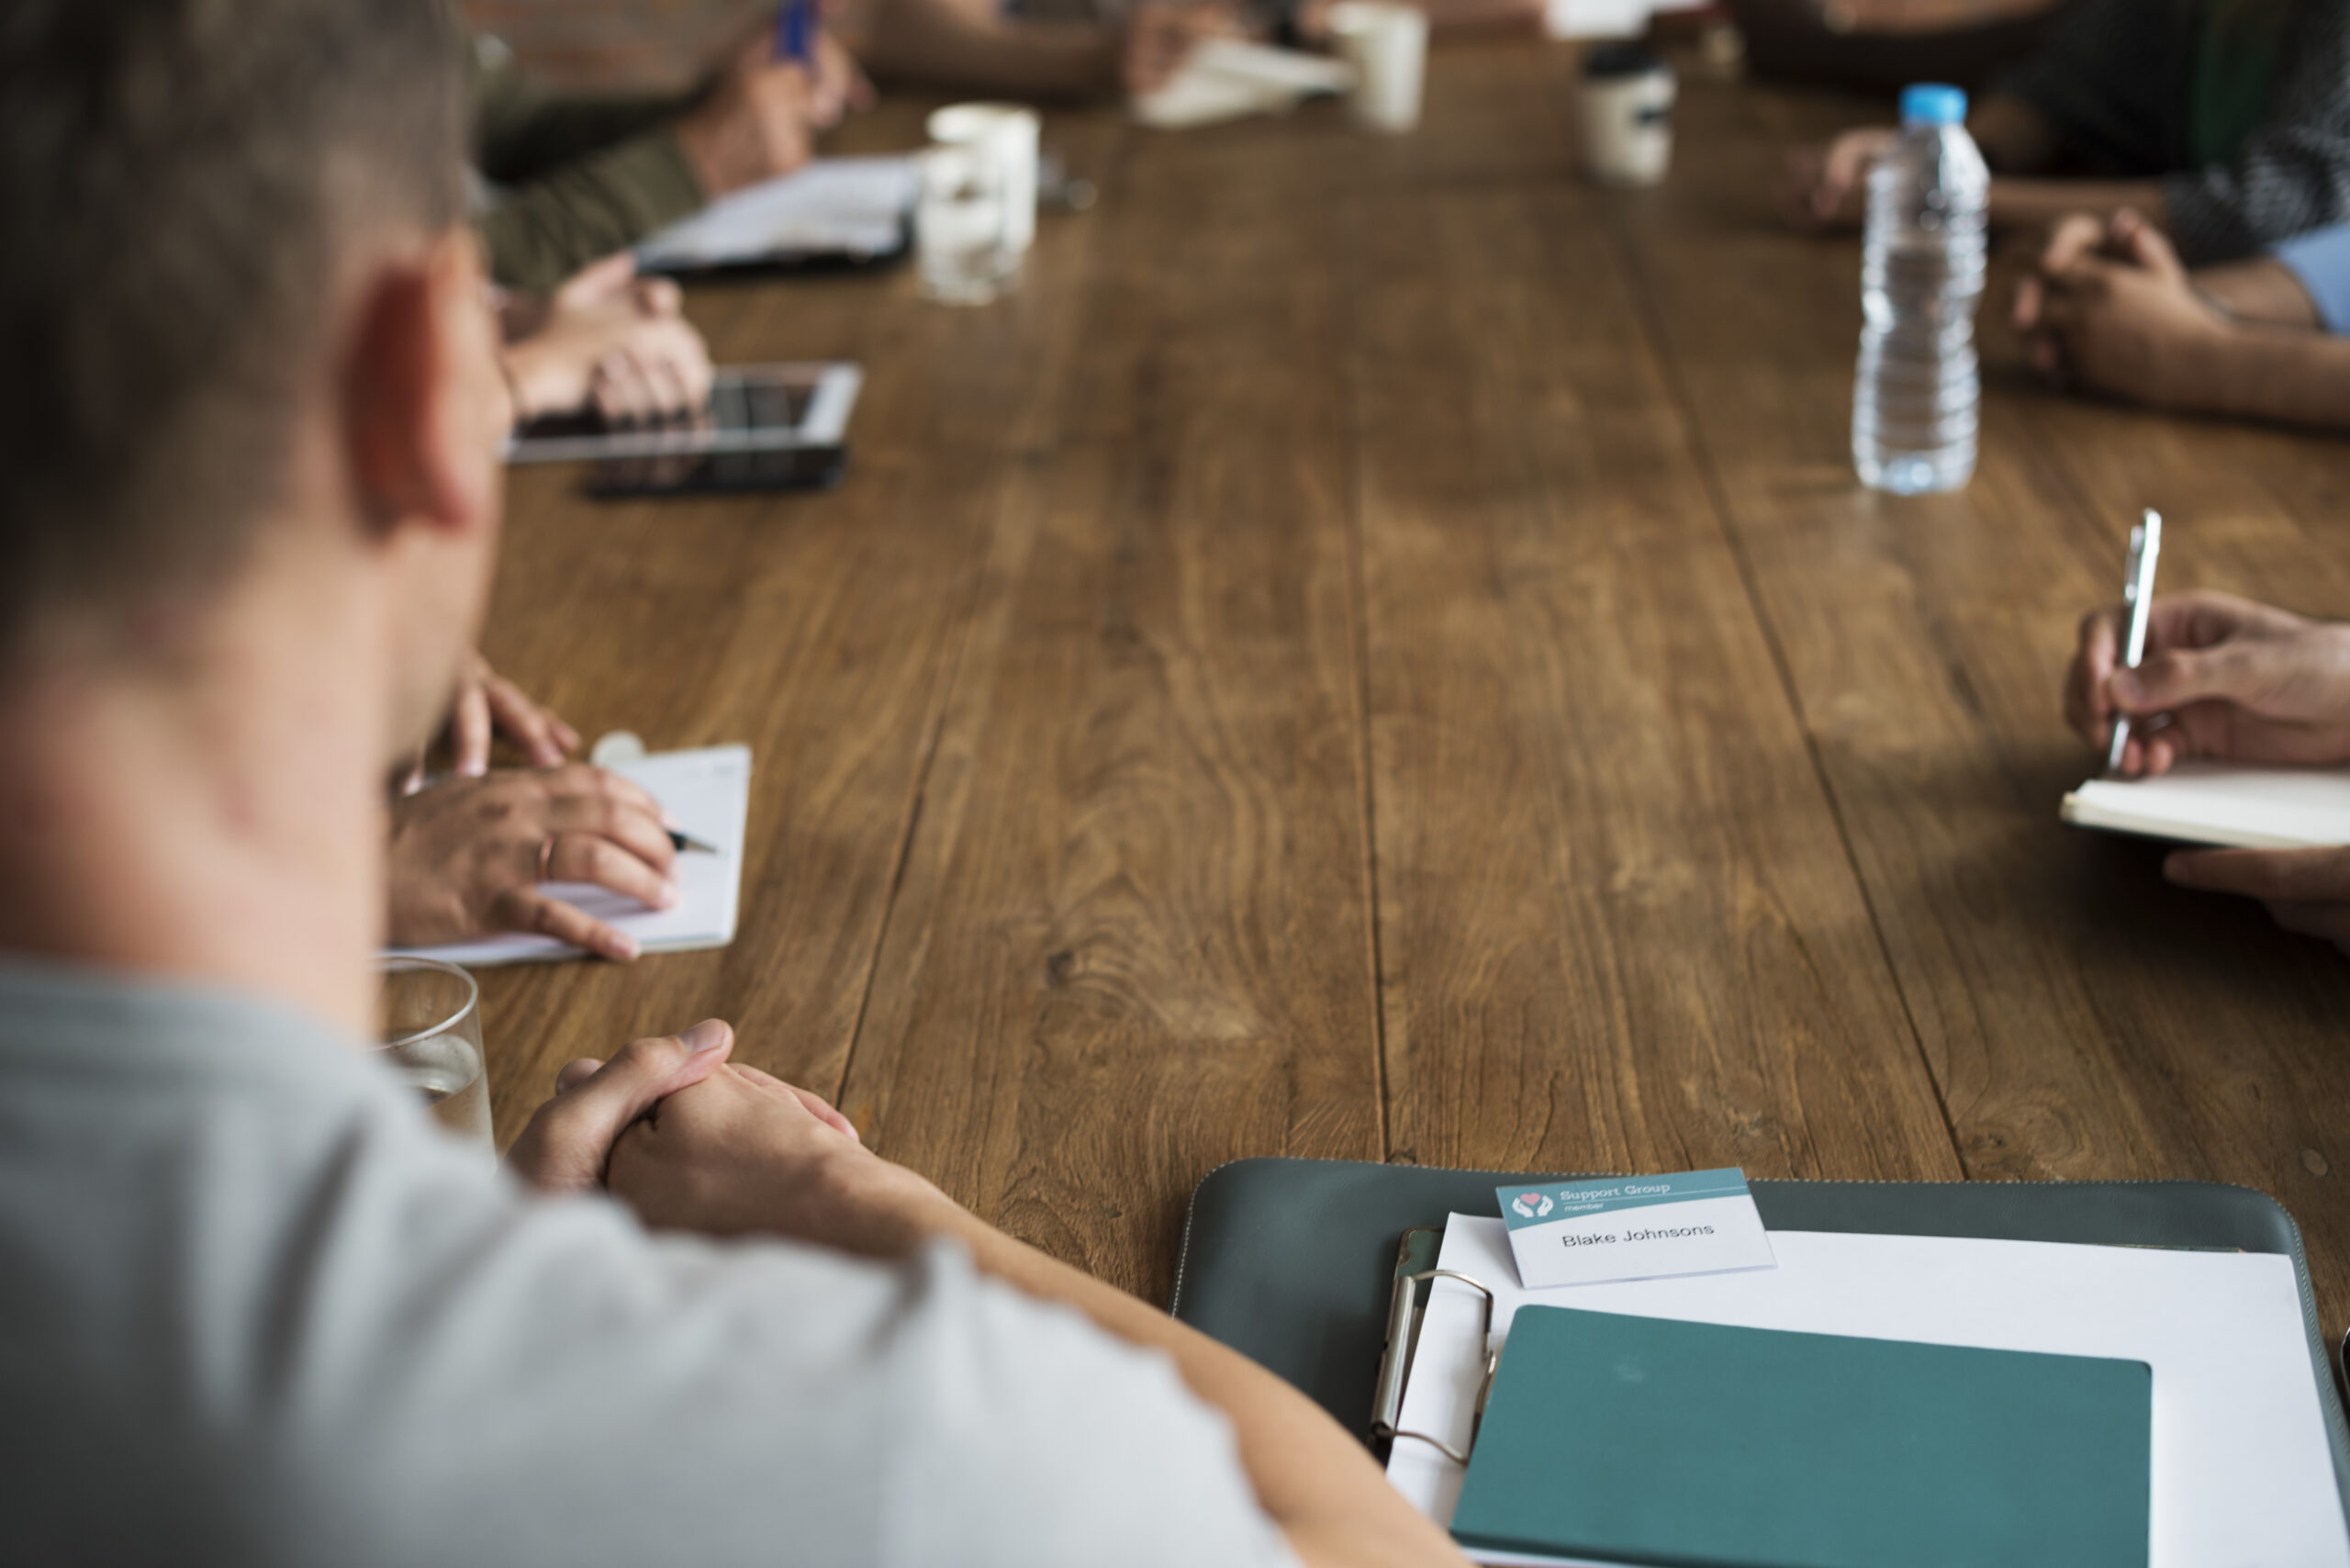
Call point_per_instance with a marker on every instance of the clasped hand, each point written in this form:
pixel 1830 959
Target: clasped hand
pixel 693 1141
pixel 2229 679
pixel 2111 306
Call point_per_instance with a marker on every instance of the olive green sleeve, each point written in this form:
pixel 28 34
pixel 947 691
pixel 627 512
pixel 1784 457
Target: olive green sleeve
pixel 572 178
pixel 542 231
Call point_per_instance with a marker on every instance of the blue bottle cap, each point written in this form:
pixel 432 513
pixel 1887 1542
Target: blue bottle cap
pixel 1932 102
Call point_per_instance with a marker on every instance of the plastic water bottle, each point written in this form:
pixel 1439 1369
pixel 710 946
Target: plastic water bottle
pixel 1915 397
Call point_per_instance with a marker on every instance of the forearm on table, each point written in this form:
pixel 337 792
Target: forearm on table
pixel 2260 289
pixel 926 41
pixel 2282 373
pixel 1314 1480
pixel 2020 202
pixel 1910 16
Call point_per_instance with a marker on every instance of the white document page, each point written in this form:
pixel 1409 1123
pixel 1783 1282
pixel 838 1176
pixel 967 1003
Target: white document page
pixel 853 207
pixel 2243 1475
pixel 1226 79
pixel 2215 802
pixel 709 793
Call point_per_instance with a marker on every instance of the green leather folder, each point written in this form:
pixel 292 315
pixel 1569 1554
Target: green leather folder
pixel 1292 1261
pixel 1644 1440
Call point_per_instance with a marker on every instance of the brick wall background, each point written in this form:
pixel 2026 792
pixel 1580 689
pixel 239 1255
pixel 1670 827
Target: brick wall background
pixel 618 45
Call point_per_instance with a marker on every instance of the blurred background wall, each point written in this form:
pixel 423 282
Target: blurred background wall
pixel 618 45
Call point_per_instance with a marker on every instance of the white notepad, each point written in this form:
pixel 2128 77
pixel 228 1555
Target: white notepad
pixel 1226 79
pixel 2217 803
pixel 2243 1473
pixel 709 793
pixel 855 207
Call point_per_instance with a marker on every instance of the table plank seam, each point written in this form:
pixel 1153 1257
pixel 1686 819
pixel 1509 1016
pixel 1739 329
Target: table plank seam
pixel 1709 476
pixel 1358 646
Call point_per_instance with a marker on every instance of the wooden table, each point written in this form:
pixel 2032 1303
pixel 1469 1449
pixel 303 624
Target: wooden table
pixel 1378 652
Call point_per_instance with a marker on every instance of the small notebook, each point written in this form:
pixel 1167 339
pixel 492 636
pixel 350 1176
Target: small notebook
pixel 2220 803
pixel 839 209
pixel 709 793
pixel 1612 1439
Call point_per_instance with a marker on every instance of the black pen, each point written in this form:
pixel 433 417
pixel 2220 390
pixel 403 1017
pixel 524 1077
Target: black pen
pixel 687 841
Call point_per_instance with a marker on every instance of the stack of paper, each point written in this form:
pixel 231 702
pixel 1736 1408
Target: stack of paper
pixel 709 794
pixel 851 208
pixel 2217 803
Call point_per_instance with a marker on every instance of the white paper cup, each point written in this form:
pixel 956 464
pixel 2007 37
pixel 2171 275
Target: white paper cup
pixel 1388 47
pixel 1624 108
pixel 1006 134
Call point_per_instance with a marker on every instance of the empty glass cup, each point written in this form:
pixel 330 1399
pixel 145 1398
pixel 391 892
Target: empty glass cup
pixel 430 1017
pixel 960 228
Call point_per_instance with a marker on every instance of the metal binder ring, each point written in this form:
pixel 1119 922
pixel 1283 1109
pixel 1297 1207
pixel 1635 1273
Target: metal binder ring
pixel 1403 1341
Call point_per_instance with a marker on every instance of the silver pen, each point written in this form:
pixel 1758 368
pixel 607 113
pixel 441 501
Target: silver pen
pixel 2138 593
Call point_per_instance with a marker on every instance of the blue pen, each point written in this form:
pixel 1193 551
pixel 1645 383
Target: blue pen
pixel 791 32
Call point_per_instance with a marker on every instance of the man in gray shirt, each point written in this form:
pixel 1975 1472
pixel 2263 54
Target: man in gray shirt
pixel 253 1309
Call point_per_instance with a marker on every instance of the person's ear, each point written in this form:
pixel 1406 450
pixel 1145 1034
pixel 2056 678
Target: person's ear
pixel 424 397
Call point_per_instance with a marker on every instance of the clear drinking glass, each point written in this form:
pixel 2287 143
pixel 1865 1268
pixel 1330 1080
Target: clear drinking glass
pixel 960 227
pixel 429 1015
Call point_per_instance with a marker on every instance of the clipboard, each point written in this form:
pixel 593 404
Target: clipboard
pixel 1305 1266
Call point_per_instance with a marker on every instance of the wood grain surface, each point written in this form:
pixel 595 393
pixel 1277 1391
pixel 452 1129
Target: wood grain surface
pixel 1377 651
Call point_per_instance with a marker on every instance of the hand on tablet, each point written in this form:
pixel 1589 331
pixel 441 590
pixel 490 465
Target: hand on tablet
pixel 610 342
pixel 467 857
pixel 2223 677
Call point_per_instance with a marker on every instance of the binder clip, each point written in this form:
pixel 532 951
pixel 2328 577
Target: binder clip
pixel 1405 1310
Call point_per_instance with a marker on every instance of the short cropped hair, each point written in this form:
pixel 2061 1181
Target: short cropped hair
pixel 180 181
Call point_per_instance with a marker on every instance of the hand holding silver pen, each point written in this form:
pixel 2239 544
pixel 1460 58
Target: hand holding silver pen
pixel 2211 676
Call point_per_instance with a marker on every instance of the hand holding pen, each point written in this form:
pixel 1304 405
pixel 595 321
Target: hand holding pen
pixel 2220 678
pixel 758 120
pixel 2238 682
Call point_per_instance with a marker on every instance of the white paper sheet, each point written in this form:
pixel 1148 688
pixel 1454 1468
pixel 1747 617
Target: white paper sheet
pixel 2243 1475
pixel 709 793
pixel 1605 18
pixel 853 207
pixel 1226 79
pixel 2215 802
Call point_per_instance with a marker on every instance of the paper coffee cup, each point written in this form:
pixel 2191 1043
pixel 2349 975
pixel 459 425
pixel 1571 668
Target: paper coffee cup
pixel 1388 47
pixel 1625 112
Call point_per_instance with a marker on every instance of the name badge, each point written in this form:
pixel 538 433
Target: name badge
pixel 1634 1228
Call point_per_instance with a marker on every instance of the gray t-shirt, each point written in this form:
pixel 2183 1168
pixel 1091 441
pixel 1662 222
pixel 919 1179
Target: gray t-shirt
pixel 255 1309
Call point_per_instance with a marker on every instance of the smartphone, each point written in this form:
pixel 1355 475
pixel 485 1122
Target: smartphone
pixel 767 427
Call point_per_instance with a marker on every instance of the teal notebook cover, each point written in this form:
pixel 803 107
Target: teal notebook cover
pixel 1641 1440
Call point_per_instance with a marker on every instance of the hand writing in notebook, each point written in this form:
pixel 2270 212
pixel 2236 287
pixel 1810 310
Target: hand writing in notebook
pixel 466 857
pixel 2235 681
